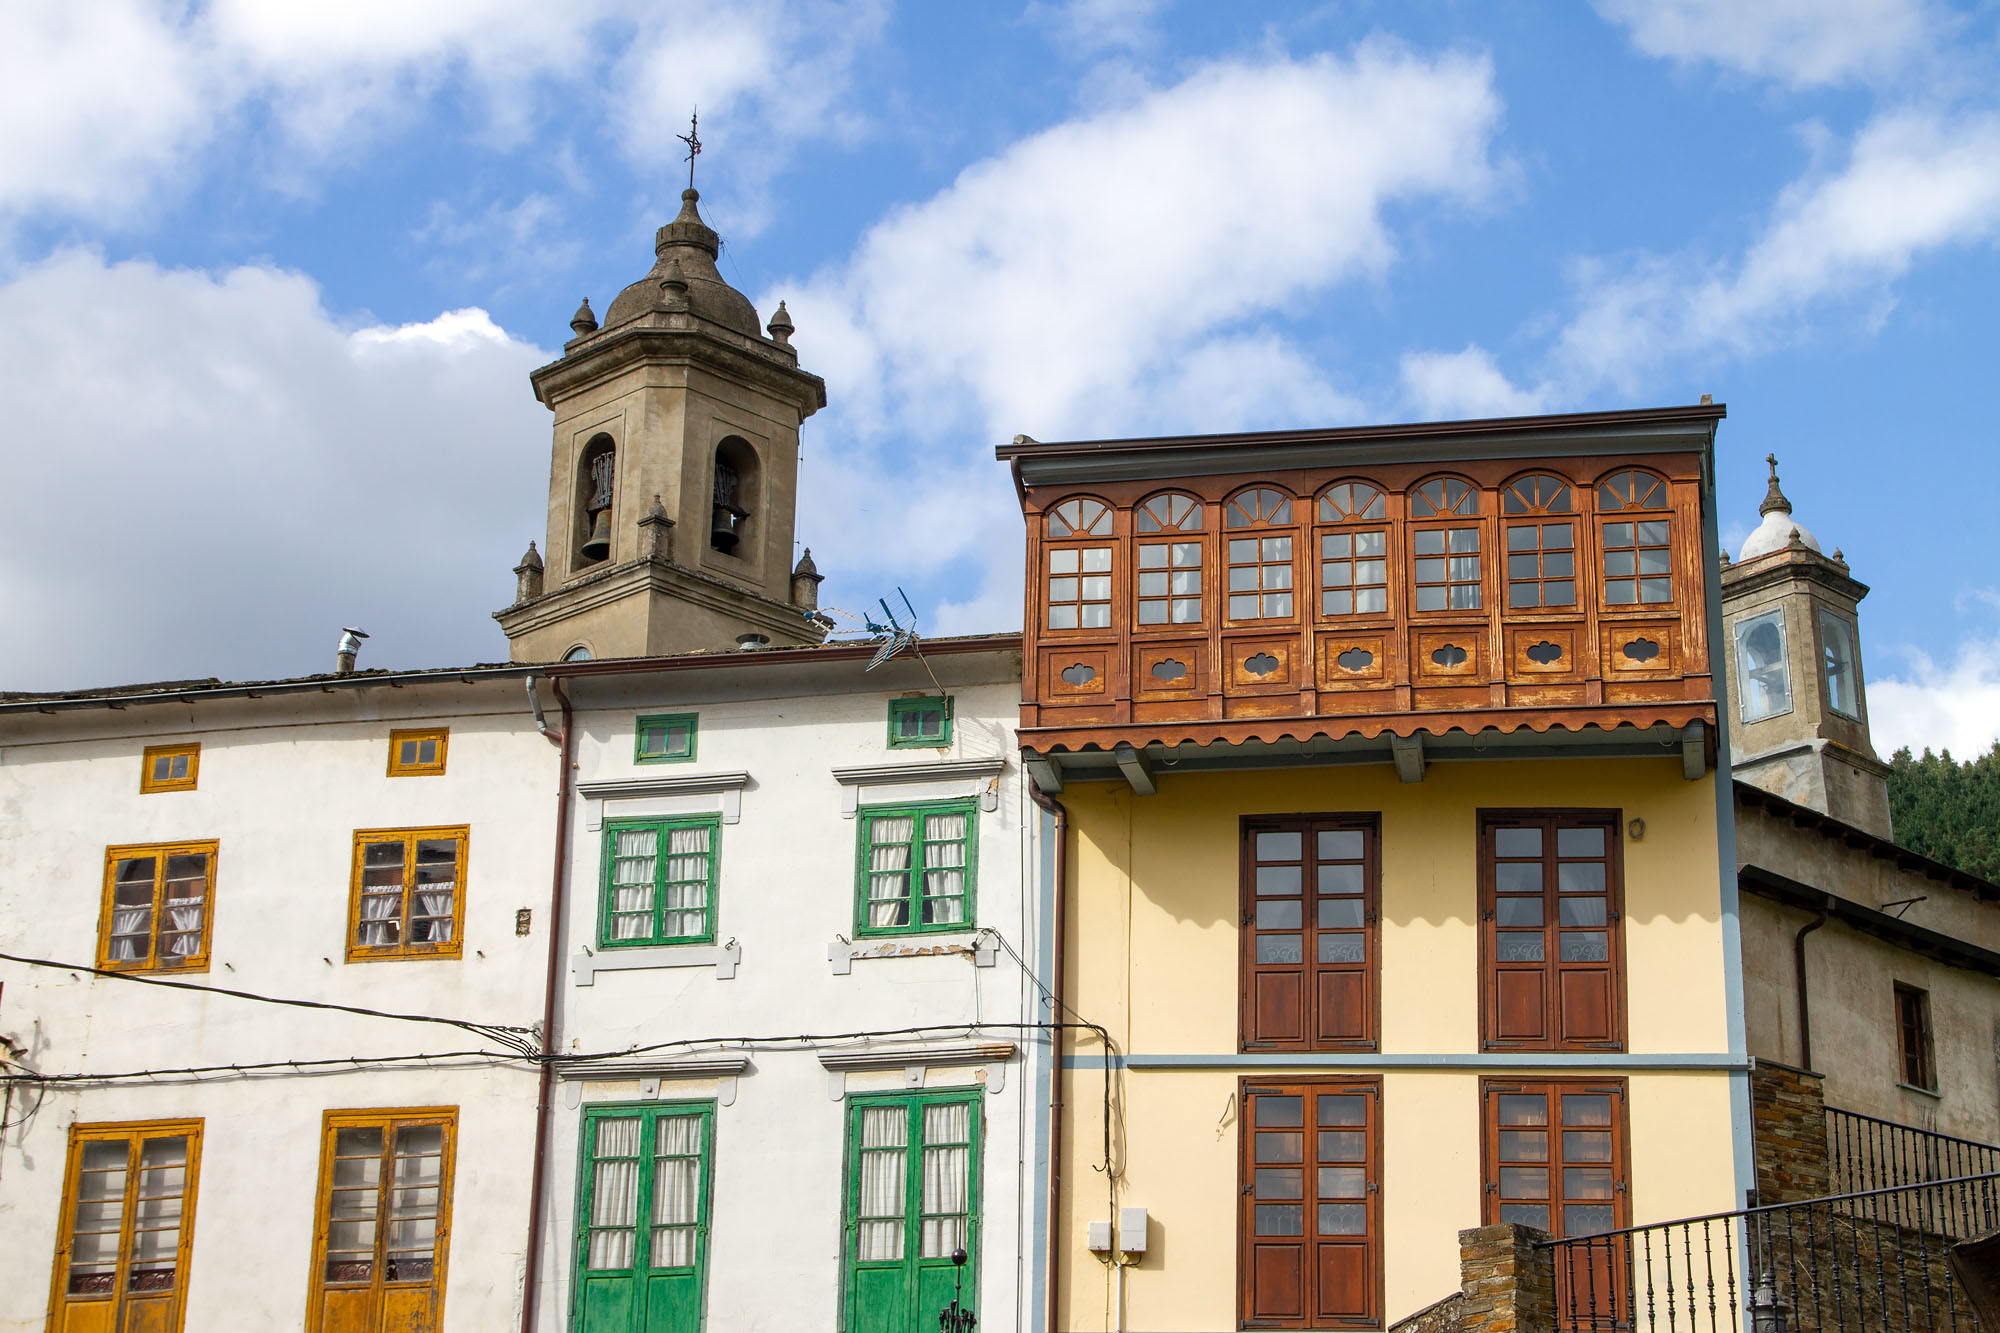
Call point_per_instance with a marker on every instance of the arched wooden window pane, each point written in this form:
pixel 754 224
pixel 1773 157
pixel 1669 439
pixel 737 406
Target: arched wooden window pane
pixel 1349 502
pixel 1537 493
pixel 1632 490
pixel 1257 507
pixel 1080 517
pixel 1638 562
pixel 1444 497
pixel 1170 513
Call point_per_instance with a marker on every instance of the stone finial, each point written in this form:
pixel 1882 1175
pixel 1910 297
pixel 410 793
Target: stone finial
pixel 673 285
pixel 655 531
pixel 1840 557
pixel 1774 499
pixel 780 327
pixel 806 579
pixel 584 320
pixel 1725 559
pixel 528 576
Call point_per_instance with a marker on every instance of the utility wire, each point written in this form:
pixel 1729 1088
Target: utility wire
pixel 356 1062
pixel 506 1035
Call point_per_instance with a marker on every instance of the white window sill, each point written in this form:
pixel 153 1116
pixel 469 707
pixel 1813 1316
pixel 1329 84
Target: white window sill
pixel 585 966
pixel 978 946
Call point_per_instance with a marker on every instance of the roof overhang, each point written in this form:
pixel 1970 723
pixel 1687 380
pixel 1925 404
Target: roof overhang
pixel 1769 884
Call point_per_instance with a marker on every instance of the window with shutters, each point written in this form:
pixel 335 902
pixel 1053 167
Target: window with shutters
pixel 912 1200
pixel 127 1222
pixel 916 867
pixel 1310 903
pixel 659 881
pixel 155 913
pixel 642 1217
pixel 384 1222
pixel 1551 942
pixel 1916 1054
pixel 1557 1159
pixel 408 893
pixel 1311 1221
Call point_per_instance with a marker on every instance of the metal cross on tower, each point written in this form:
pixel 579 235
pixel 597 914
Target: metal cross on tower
pixel 693 140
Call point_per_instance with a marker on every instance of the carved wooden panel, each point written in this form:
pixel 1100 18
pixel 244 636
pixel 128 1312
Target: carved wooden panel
pixel 1075 675
pixel 1449 656
pixel 1170 670
pixel 1362 660
pixel 1543 652
pixel 1261 665
pixel 1649 649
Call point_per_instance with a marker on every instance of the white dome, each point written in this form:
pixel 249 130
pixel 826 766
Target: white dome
pixel 1775 534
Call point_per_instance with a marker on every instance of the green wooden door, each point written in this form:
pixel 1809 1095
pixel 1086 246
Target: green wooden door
pixel 642 1217
pixel 912 1199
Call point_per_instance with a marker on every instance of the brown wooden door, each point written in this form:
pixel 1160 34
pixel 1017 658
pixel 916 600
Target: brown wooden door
pixel 1551 939
pixel 1311 903
pixel 1311 1225
pixel 1557 1159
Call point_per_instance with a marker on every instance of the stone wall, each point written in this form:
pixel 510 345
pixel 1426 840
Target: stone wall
pixel 1442 1317
pixel 1788 1129
pixel 1508 1283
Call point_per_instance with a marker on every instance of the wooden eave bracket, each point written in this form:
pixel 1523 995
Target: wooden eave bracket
pixel 1694 751
pixel 1133 765
pixel 724 1069
pixel 1045 771
pixel 1408 752
pixel 990 1057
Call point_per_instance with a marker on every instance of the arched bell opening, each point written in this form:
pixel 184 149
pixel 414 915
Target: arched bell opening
pixel 596 479
pixel 738 483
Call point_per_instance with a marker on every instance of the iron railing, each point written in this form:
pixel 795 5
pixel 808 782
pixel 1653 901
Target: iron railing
pixel 1866 1153
pixel 1871 1261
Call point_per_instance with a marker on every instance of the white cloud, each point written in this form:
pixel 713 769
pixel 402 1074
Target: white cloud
pixel 1467 383
pixel 1914 183
pixel 1797 42
pixel 109 105
pixel 211 476
pixel 1129 270
pixel 1085 28
pixel 1940 706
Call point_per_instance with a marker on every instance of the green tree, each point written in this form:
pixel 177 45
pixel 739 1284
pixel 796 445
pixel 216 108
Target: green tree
pixel 1947 810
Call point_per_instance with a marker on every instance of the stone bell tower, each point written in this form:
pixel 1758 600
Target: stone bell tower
pixel 674 475
pixel 1798 720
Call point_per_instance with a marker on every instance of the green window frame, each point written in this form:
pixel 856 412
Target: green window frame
pixel 665 738
pixel 912 1196
pixel 916 868
pixel 920 723
pixel 659 880
pixel 642 1217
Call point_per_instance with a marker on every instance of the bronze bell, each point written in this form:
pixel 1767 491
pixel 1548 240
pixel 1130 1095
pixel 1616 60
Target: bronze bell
pixel 722 528
pixel 597 546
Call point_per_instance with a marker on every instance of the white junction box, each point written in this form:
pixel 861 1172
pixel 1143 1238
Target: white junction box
pixel 1097 1235
pixel 1132 1230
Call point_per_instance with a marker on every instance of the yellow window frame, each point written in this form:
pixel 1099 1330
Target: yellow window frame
pixel 149 782
pixel 379 1289
pixel 159 851
pixel 131 1132
pixel 358 952
pixel 414 737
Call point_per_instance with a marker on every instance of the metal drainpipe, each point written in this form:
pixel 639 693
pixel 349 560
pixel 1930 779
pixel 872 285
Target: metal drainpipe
pixel 1055 808
pixel 559 882
pixel 1805 1009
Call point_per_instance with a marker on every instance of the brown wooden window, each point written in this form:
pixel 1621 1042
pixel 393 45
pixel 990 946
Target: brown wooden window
pixel 1170 571
pixel 1079 578
pixel 383 1228
pixel 127 1220
pixel 1447 576
pixel 1551 948
pixel 408 893
pixel 1353 551
pixel 1541 555
pixel 155 913
pixel 1311 899
pixel 1260 562
pixel 1311 1225
pixel 170 768
pixel 1556 1158
pixel 1638 556
pixel 417 753
pixel 1913 1038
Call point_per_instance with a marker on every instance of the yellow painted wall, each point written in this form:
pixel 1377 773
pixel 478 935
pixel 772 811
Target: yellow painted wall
pixel 1152 954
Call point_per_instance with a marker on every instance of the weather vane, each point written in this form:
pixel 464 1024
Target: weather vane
pixel 693 140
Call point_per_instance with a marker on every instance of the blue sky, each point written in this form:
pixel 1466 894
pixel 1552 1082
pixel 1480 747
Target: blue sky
pixel 272 276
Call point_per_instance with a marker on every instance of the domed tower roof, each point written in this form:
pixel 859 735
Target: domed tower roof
pixel 684 260
pixel 1779 529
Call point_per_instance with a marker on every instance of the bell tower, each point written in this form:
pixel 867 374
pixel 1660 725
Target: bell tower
pixel 674 474
pixel 1798 721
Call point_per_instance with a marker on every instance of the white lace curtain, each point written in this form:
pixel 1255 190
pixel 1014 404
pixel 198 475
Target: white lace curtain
pixel 379 912
pixel 614 1194
pixel 885 1134
pixel 435 902
pixel 687 882
pixel 947 1163
pixel 634 855
pixel 889 871
pixel 944 868
pixel 676 1187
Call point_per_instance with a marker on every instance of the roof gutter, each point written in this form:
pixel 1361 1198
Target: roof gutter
pixel 1868 921
pixel 307 685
